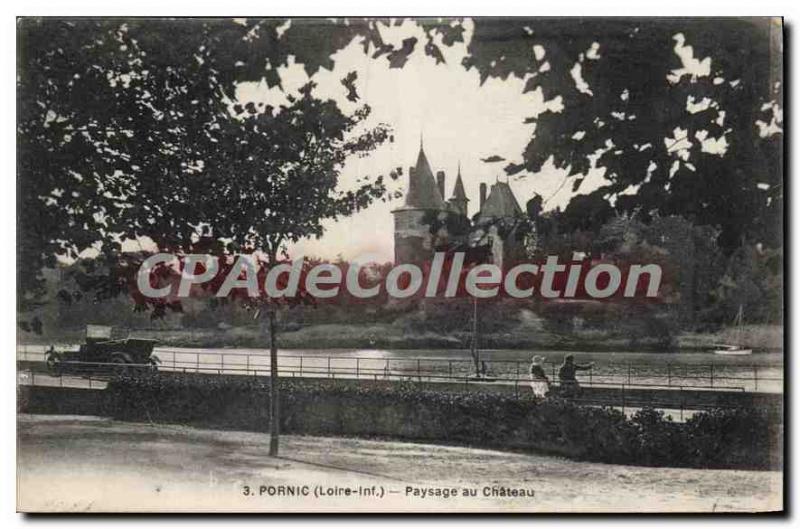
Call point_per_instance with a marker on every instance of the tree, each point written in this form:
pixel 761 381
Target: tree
pixel 113 109
pixel 628 107
pixel 114 120
pixel 275 180
pixel 126 132
pixel 752 281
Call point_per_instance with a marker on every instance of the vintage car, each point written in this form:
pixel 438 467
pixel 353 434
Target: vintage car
pixel 102 355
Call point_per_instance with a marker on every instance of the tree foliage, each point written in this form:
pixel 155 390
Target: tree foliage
pixel 630 106
pixel 275 174
pixel 120 124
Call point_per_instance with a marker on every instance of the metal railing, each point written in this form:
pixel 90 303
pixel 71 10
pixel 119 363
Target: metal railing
pixel 670 375
pixel 102 371
pixel 96 375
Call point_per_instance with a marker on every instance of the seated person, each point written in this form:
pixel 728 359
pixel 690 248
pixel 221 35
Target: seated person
pixel 540 384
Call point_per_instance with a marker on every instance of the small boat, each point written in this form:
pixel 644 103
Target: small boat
pixel 735 350
pixel 732 350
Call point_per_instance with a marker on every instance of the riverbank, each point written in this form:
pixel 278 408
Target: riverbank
pixel 761 338
pixel 140 467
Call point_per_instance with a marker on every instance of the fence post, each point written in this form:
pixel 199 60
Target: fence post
pixel 174 362
pixel 386 369
pixel 197 358
pixel 221 363
pixel 301 366
pixel 247 364
pixel 419 371
pixel 629 375
pixel 449 369
pixel 623 396
pixel 669 374
pixel 591 370
pixel 755 376
pixel 357 366
pixel 712 375
pixel 329 366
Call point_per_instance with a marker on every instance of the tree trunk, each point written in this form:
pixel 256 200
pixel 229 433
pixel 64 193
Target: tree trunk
pixel 274 409
pixel 476 354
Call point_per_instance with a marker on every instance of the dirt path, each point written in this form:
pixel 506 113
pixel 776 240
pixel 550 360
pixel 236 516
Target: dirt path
pixel 94 464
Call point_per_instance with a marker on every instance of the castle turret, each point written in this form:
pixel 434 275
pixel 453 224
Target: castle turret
pixel 459 199
pixel 412 237
pixel 499 210
pixel 500 204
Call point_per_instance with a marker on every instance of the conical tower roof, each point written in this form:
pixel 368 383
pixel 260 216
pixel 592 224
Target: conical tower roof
pixel 422 190
pixel 458 190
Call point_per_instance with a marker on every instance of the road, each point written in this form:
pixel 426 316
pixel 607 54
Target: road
pixel 93 464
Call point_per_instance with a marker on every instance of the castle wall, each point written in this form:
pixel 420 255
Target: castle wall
pixel 413 241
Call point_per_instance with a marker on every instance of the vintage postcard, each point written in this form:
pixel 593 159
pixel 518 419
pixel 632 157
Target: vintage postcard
pixel 400 265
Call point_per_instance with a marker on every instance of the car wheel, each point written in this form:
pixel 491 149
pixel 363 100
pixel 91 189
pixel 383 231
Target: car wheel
pixel 120 364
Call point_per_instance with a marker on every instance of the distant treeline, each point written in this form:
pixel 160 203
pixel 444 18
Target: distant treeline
pixel 704 289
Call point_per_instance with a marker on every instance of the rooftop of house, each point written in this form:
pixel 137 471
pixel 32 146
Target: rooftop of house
pixel 501 202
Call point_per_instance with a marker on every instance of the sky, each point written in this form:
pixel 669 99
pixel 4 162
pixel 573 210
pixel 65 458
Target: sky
pixel 460 120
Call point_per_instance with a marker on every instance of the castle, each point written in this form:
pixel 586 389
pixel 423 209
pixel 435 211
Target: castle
pixel 427 223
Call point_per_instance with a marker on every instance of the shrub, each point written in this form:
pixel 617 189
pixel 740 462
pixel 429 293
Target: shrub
pixel 718 439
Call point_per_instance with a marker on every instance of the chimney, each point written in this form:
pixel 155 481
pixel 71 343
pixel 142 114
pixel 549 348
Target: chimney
pixel 483 194
pixel 440 182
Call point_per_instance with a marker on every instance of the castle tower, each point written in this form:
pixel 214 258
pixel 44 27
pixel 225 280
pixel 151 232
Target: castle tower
pixel 499 209
pixel 500 204
pixel 412 237
pixel 459 200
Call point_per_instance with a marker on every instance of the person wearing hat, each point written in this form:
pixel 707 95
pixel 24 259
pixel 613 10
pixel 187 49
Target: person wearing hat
pixel 540 384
